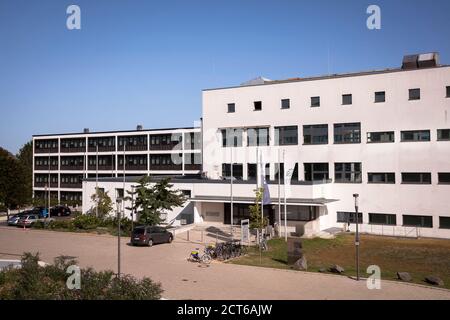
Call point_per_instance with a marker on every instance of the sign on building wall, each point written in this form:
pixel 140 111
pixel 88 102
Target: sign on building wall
pixel 245 231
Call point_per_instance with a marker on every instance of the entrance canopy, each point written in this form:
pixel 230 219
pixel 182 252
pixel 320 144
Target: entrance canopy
pixel 319 202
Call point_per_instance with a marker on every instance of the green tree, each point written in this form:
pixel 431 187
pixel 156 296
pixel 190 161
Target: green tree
pixel 153 200
pixel 12 181
pixel 25 157
pixel 103 203
pixel 256 221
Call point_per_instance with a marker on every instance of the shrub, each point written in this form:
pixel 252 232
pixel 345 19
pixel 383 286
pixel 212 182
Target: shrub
pixel 49 283
pixel 86 222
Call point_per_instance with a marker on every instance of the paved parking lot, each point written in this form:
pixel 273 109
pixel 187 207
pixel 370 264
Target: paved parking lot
pixel 183 280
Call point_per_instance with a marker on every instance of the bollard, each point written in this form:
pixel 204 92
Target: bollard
pixel 188 238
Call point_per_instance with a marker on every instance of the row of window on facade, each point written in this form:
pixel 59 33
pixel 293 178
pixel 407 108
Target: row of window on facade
pixel 192 141
pixel 190 158
pixel 350 172
pixel 344 133
pixel 391 220
pixel 347 99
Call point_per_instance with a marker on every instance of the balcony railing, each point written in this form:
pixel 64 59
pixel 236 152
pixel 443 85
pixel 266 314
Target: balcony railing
pixel 73 168
pixel 132 167
pixel 165 167
pixel 71 185
pixel 46 150
pixel 102 149
pixel 101 167
pixel 45 185
pixel 133 148
pixel 163 147
pixel 73 150
pixel 45 168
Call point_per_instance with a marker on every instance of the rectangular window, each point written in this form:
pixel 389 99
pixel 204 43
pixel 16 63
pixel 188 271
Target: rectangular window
pixel 444 222
pixel 348 172
pixel 286 136
pixel 301 213
pixel 383 219
pixel 315 102
pixel 257 137
pixel 414 94
pixel 315 134
pixel 347 133
pixel 349 217
pixel 418 221
pixel 416 135
pixel 444 177
pixel 380 97
pixel 380 137
pixel 285 103
pixel 347 99
pixel 237 171
pixel 316 171
pixel 416 178
pixel 447 91
pixel 381 178
pixel 443 134
pixel 257 105
pixel 231 108
pixel 232 137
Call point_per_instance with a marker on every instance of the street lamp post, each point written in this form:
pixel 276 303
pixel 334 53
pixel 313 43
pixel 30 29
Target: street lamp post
pixel 356 196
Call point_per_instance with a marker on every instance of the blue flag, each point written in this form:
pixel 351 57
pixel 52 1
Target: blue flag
pixel 266 193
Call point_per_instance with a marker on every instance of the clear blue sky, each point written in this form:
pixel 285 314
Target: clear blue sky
pixel 146 62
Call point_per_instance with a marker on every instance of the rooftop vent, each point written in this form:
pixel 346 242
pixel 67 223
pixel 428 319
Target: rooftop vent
pixel 256 81
pixel 139 127
pixel 418 61
pixel 86 130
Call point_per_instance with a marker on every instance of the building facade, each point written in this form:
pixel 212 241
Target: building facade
pixel 384 135
pixel 61 162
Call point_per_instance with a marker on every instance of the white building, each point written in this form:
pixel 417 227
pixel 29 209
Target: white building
pixel 384 135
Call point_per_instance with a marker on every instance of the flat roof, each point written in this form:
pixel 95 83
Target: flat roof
pixel 112 132
pixel 289 201
pixel 330 76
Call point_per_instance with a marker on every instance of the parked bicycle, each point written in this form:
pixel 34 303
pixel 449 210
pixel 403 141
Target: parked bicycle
pixel 263 243
pixel 195 256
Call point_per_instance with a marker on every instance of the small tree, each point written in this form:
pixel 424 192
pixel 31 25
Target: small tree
pixel 152 201
pixel 256 220
pixel 103 203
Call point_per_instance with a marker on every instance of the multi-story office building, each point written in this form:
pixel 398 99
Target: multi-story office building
pixel 384 135
pixel 61 162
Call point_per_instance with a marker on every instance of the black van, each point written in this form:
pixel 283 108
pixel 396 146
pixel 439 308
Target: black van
pixel 148 236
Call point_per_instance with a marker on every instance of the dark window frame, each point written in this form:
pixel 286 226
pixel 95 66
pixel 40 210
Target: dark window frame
pixel 310 129
pixel 261 138
pixel 423 221
pixel 349 217
pixel 445 225
pixel 387 177
pixel 415 134
pixel 311 170
pixel 447 89
pixel 391 135
pixel 421 181
pixel 345 101
pixel 280 135
pixel 441 179
pixel 257 106
pixel 378 95
pixel 353 172
pixel 231 108
pixel 315 102
pixel 390 219
pixel 345 131
pixel 285 104
pixel 446 135
pixel 413 96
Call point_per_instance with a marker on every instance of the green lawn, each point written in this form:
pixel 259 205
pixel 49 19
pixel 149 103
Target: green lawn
pixel 419 257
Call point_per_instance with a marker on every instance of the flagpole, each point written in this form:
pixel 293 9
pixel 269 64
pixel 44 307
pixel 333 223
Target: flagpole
pixel 231 192
pixel 279 197
pixel 262 195
pixel 285 205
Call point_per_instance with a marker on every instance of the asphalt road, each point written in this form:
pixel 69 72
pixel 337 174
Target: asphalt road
pixel 183 280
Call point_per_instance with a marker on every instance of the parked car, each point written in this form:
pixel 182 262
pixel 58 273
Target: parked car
pixel 148 236
pixel 42 212
pixel 14 219
pixel 60 211
pixel 27 220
